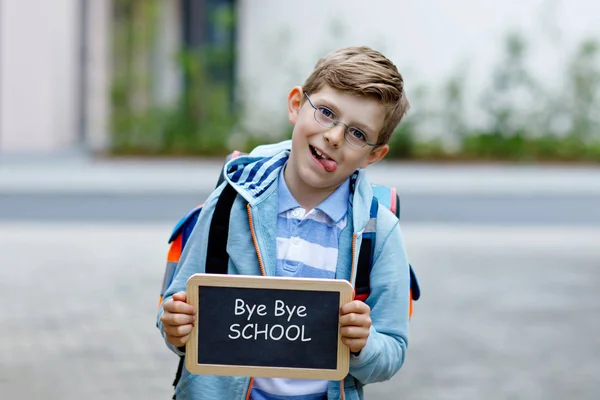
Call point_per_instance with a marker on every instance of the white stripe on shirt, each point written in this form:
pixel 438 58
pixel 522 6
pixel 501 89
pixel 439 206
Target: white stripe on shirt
pixel 296 249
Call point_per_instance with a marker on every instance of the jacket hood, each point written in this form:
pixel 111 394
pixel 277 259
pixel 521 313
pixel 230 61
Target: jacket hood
pixel 254 177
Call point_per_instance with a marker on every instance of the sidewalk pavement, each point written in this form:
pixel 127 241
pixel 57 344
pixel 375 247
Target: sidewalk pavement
pixel 506 313
pixel 87 175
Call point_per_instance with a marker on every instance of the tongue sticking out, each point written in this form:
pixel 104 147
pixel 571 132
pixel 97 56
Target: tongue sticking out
pixel 329 164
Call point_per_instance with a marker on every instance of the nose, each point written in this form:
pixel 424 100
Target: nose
pixel 335 135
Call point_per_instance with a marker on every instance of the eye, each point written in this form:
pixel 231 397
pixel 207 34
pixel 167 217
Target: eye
pixel 327 113
pixel 358 134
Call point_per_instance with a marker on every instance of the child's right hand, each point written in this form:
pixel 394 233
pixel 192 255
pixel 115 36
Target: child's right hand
pixel 178 319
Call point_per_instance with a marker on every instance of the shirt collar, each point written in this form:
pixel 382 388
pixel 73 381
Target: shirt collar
pixel 335 206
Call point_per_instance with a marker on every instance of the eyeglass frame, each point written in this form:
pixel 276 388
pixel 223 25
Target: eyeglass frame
pixel 337 122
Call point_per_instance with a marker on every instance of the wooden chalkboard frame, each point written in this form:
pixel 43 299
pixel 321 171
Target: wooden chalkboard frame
pixel 343 287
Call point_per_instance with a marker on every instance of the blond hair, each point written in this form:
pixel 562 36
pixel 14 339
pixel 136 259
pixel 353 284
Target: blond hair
pixel 365 72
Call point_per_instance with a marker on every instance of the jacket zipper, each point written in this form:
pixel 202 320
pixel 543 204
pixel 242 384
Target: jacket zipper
pixel 249 388
pixel 260 260
pixel 262 271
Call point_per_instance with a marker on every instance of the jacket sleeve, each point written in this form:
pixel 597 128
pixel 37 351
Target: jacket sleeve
pixel 191 261
pixel 386 346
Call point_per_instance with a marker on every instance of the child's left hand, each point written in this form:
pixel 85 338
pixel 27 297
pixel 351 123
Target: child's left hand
pixel 355 322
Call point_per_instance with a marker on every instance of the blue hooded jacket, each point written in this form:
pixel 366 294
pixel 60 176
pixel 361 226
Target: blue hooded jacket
pixel 252 250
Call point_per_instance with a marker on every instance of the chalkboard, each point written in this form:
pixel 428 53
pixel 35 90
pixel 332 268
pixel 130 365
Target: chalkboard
pixel 267 327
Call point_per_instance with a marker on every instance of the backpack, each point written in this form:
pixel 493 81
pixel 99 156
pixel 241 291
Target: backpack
pixel 217 258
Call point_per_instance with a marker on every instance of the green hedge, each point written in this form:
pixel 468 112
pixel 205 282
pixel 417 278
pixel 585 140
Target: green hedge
pixel 561 124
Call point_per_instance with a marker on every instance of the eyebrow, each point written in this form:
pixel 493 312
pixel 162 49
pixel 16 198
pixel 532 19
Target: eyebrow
pixel 364 128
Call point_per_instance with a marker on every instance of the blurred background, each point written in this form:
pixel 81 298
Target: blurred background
pixel 115 116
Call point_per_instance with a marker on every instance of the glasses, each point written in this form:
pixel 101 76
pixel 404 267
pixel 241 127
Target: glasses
pixel 328 119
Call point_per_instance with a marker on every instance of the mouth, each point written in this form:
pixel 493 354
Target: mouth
pixel 327 162
pixel 318 153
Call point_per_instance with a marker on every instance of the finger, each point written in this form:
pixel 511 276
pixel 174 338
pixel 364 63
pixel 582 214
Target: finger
pixel 179 307
pixel 178 341
pixel 355 345
pixel 354 332
pixel 178 331
pixel 353 319
pixel 177 319
pixel 355 306
pixel 180 296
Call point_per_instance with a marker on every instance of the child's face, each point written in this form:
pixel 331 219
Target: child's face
pixel 309 169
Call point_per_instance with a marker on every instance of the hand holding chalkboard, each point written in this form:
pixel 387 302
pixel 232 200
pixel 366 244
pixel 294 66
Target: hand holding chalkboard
pixel 178 319
pixel 268 326
pixel 355 323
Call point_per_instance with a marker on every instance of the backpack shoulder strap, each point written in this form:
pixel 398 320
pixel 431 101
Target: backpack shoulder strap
pixel 217 259
pixel 216 255
pixel 365 255
pixel 390 199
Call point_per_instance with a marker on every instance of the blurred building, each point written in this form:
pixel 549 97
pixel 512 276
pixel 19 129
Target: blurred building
pixel 55 68
pixel 56 55
pixel 53 75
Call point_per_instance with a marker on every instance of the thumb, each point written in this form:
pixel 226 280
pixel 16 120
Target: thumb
pixel 180 296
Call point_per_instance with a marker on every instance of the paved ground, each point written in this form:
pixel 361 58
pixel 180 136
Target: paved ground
pixel 507 313
pixel 465 208
pixel 510 275
pixel 161 191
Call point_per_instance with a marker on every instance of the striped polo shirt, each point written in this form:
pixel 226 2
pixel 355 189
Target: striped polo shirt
pixel 307 247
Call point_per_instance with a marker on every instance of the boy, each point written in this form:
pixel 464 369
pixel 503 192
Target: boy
pixel 301 211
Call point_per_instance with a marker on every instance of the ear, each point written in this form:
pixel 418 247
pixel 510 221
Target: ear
pixel 376 155
pixel 294 103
